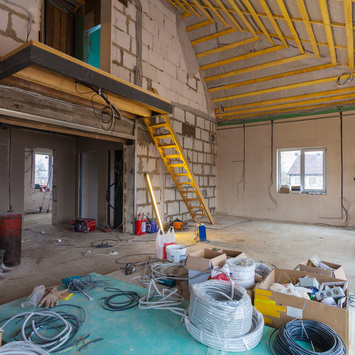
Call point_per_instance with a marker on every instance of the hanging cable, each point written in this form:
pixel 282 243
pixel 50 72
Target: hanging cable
pixel 316 333
pixel 10 167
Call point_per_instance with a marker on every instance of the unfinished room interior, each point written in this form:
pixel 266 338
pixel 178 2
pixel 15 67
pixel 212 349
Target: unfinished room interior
pixel 177 177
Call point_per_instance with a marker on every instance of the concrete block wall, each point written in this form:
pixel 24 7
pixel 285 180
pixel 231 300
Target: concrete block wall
pixel 164 69
pixel 14 21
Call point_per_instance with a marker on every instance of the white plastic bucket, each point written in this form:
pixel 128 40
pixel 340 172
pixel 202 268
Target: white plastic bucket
pixel 176 253
pixel 242 271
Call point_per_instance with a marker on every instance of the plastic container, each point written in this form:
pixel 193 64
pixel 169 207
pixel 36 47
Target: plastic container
pixel 139 225
pixel 154 226
pixel 202 232
pixel 176 253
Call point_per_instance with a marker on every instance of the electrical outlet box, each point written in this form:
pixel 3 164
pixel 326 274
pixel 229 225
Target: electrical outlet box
pixel 335 292
pixel 309 282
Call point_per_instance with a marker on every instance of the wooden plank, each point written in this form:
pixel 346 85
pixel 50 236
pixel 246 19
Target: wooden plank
pixel 199 25
pixel 266 105
pixel 272 77
pixel 229 15
pixel 290 24
pixel 273 22
pixel 188 5
pixel 228 46
pixel 183 7
pixel 213 36
pixel 218 15
pixel 201 8
pixel 309 29
pixel 244 19
pixel 348 13
pixel 275 89
pixel 328 29
pixel 258 21
pixel 242 57
pixel 66 85
pixel 258 67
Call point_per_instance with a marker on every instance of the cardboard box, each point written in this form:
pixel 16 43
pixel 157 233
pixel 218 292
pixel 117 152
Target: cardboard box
pixel 203 260
pixel 234 253
pixel 1 331
pixel 278 308
pixel 338 272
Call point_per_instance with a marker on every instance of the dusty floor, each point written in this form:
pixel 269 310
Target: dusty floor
pixel 50 253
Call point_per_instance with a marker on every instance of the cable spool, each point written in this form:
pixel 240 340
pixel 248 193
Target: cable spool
pixel 243 271
pixel 241 343
pixel 212 307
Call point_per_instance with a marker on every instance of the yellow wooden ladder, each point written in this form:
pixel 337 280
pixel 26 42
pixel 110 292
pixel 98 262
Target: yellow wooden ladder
pixel 169 147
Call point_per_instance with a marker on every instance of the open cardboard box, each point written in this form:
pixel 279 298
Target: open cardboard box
pixel 278 308
pixel 338 272
pixel 203 260
pixel 234 253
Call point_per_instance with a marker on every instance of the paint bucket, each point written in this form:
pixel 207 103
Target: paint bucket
pixel 176 253
pixel 242 271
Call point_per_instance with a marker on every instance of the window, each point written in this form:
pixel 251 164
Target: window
pixel 302 169
pixel 42 169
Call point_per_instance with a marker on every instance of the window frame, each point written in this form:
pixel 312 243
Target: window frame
pixel 302 168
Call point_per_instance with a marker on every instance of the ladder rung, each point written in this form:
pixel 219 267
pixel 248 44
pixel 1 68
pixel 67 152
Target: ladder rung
pixel 184 183
pixel 180 165
pixel 183 174
pixel 158 125
pixel 200 214
pixel 197 207
pixel 173 156
pixel 167 146
pixel 162 136
pixel 192 199
pixel 188 191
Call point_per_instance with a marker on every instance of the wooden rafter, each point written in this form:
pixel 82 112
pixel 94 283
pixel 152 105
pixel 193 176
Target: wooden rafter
pixel 328 29
pixel 192 8
pixel 290 24
pixel 241 15
pixel 213 36
pixel 348 13
pixel 198 25
pixel 248 108
pixel 272 77
pixel 258 21
pixel 258 67
pixel 304 13
pixel 218 15
pixel 275 89
pixel 242 57
pixel 184 7
pixel 273 22
pixel 229 15
pixel 202 9
pixel 228 46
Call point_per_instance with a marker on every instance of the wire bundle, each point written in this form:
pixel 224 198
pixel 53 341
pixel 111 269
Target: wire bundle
pixel 221 316
pixel 61 326
pixel 22 347
pixel 314 332
pixel 110 303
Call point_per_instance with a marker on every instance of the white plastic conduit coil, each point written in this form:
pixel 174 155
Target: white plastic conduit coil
pixel 213 309
pixel 223 322
pixel 23 348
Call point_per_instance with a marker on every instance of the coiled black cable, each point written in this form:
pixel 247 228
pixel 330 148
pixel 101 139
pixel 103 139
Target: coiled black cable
pixel 318 334
pixel 110 303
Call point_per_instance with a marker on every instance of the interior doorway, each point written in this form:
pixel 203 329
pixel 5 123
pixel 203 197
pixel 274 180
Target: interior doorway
pixel 38 186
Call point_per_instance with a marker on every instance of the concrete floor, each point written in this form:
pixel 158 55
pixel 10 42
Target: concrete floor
pixel 46 261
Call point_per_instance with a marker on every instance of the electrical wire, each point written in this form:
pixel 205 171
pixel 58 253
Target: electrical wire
pixel 110 303
pixel 105 243
pixel 23 348
pixel 271 182
pixel 316 333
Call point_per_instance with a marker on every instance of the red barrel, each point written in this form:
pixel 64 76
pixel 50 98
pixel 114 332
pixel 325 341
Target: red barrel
pixel 10 237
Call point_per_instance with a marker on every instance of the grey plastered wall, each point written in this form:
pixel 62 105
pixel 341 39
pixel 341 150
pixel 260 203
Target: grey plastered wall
pixel 64 177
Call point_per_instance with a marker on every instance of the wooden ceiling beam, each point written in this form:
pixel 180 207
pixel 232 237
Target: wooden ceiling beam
pixel 348 13
pixel 228 46
pixel 273 22
pixel 218 15
pixel 213 36
pixel 302 105
pixel 192 9
pixel 199 25
pixel 249 108
pixel 229 15
pixel 258 67
pixel 202 9
pixel 243 18
pixel 275 89
pixel 272 77
pixel 242 57
pixel 328 29
pixel 258 21
pixel 309 29
pixel 183 7
pixel 290 24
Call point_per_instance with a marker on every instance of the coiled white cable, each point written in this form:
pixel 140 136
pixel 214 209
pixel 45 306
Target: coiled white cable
pixel 213 309
pixel 222 318
pixel 235 344
pixel 51 343
pixel 23 348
